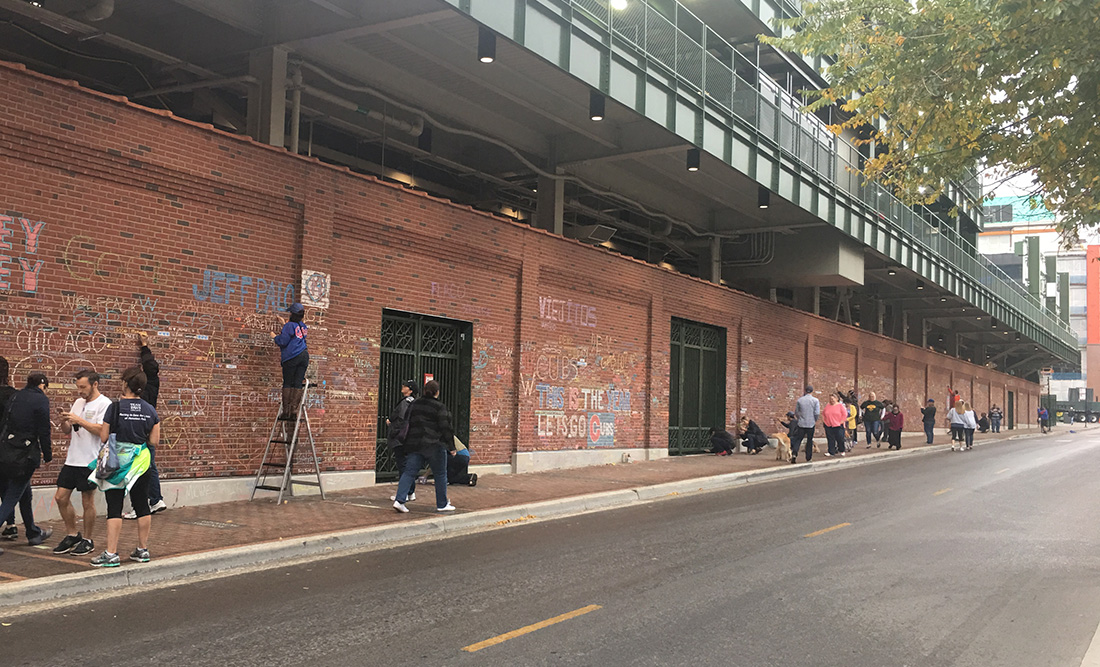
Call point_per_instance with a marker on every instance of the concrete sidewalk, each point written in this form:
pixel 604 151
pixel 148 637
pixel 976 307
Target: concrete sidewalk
pixel 214 538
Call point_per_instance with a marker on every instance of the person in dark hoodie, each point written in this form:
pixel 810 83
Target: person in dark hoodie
pixel 25 443
pixel 429 438
pixel 722 441
pixel 396 431
pixel 10 532
pixel 294 356
pixel 151 367
pixel 752 437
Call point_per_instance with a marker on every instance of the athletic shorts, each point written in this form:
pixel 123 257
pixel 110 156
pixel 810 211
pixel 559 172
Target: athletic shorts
pixel 74 478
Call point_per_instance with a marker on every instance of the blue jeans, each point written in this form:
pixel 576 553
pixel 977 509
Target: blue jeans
pixel 414 461
pixel 928 426
pixel 25 502
pixel 801 434
pixel 13 493
pixel 995 424
pixel 873 428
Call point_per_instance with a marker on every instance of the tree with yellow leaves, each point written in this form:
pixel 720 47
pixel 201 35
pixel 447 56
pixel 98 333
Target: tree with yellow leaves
pixel 948 85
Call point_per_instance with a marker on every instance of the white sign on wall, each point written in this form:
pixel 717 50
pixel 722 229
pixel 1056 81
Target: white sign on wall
pixel 315 289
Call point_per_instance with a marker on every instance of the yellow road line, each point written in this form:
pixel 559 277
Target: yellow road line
pixel 822 532
pixel 941 492
pixel 499 639
pixel 1000 471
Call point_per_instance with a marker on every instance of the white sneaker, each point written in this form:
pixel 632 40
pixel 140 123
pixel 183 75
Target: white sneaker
pixel 412 497
pixel 828 454
pixel 160 506
pixel 131 515
pixel 448 508
pixel 400 507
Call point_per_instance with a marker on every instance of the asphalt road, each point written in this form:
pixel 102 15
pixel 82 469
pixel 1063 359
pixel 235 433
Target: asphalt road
pixel 988 557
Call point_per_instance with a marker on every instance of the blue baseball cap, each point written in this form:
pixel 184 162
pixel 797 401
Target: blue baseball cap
pixel 296 308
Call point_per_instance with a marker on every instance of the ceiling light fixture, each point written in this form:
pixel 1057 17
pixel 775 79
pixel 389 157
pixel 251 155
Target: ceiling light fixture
pixel 618 4
pixel 920 284
pixel 596 105
pixel 891 272
pixel 693 157
pixel 763 197
pixel 486 45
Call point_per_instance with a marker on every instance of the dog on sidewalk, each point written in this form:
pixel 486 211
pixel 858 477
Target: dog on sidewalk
pixel 783 451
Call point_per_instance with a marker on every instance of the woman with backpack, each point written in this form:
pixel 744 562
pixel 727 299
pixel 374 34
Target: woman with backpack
pixel 397 429
pixel 429 438
pixel 136 427
pixel 24 444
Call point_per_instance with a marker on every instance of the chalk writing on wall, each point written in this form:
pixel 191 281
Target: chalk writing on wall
pixel 232 289
pixel 26 268
pixel 566 312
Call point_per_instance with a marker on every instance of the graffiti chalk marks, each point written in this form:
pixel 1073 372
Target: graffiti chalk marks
pixel 577 398
pixel 29 266
pixel 230 288
pixel 315 289
pixel 86 263
pixel 452 291
pixel 494 416
pixel 596 421
pixel 566 312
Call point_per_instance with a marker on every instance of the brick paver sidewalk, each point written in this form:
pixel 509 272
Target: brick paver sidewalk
pixel 207 528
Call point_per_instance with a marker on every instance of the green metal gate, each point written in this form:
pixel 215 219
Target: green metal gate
pixel 697 385
pixel 414 346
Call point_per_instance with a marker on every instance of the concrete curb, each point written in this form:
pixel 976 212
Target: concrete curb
pixel 225 561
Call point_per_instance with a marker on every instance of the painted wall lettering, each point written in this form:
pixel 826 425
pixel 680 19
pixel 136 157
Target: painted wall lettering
pixel 567 312
pixel 230 288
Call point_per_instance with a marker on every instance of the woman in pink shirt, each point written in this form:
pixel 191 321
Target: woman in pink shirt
pixel 835 416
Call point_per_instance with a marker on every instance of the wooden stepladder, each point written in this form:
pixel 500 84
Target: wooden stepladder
pixel 279 436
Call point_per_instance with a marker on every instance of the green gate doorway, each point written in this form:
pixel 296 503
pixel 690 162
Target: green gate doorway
pixel 414 346
pixel 697 386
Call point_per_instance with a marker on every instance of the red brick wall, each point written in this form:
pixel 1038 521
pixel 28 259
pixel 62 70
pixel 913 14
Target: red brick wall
pixel 121 219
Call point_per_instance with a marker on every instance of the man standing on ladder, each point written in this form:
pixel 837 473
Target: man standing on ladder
pixel 295 359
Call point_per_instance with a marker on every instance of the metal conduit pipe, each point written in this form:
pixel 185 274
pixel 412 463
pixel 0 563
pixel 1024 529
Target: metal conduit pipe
pixel 196 85
pixel 415 128
pixel 101 10
pixel 295 109
pixel 762 251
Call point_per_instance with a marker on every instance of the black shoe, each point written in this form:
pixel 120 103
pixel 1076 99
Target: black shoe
pixel 10 533
pixel 473 479
pixel 42 536
pixel 85 547
pixel 68 543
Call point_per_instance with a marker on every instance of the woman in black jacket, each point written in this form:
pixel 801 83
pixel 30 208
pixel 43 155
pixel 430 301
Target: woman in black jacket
pixel 26 441
pixel 429 438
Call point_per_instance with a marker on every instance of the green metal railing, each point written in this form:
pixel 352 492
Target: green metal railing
pixel 736 86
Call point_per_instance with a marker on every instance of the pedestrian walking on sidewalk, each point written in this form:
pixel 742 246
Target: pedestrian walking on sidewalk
pixel 135 425
pixel 81 423
pixel 957 423
pixel 969 422
pixel 24 444
pixel 151 367
pixel 895 424
pixel 429 438
pixel 294 356
pixel 928 419
pixel 834 416
pixel 397 429
pixel 10 532
pixel 995 416
pixel 1044 420
pixel 872 419
pixel 807 410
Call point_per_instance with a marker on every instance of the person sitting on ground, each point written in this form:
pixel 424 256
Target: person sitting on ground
pixel 722 442
pixel 458 465
pixel 983 424
pixel 751 436
pixel 895 422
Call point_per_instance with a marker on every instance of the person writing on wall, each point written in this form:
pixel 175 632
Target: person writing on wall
pixel 294 356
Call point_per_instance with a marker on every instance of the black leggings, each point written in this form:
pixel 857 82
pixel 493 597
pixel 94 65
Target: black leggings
pixel 139 498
